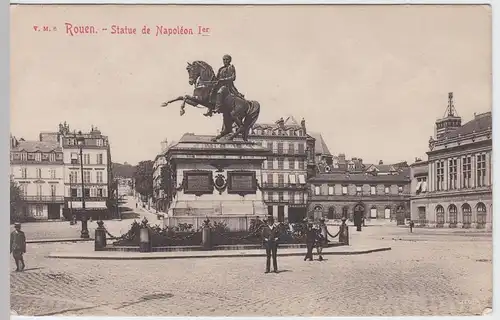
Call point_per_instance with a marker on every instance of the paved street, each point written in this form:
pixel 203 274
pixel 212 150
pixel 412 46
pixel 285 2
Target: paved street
pixel 427 273
pixel 63 230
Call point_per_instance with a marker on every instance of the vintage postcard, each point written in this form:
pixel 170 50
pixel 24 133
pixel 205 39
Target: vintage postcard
pixel 291 160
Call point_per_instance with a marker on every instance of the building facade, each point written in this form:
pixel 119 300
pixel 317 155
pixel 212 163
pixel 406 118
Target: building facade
pixel 380 193
pixel 285 172
pixel 97 175
pixel 38 168
pixel 453 188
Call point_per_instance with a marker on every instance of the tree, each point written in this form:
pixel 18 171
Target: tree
pixel 143 177
pixel 16 200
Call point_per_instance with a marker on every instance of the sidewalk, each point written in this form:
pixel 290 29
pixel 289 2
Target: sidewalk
pixel 120 255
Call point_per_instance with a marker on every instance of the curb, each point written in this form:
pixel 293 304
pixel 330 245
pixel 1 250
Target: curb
pixel 59 240
pixel 194 256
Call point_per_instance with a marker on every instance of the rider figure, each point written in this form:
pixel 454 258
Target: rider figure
pixel 225 79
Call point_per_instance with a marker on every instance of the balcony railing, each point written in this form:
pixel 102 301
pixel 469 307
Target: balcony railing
pixel 289 152
pixel 285 201
pixel 44 198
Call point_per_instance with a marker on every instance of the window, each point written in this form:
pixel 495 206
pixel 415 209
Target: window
pixel 39 173
pixel 24 156
pixel 281 180
pixel 452 210
pixel 74 192
pixel 281 162
pixel 270 178
pixel 301 148
pixel 280 196
pixel 400 189
pixel 301 165
pixel 270 196
pixel 99 176
pixel 73 177
pixel 452 176
pixel 24 173
pixel 99 192
pixel 52 157
pixel 331 190
pixel 52 173
pixel 99 158
pixel 38 157
pixel 53 190
pixel 291 148
pixel 86 176
pixel 99 142
pixel 331 213
pixel 87 192
pixel 344 190
pixel 481 214
pixel 387 189
pixel 74 158
pixel 38 210
pixel 439 215
pixel 317 190
pixel 466 172
pixel 467 215
pixel 291 196
pixel 280 147
pixel 373 190
pixel 439 175
pixel 302 179
pixel 480 170
pixel 292 178
pixel 270 145
pixel 86 158
pixel 359 190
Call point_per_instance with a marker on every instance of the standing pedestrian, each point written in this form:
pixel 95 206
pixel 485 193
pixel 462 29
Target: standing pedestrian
pixel 321 238
pixel 18 246
pixel 412 224
pixel 310 240
pixel 270 237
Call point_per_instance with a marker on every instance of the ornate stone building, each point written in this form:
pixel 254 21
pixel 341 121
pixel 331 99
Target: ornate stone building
pixel 378 191
pixel 38 168
pixel 285 172
pixel 453 188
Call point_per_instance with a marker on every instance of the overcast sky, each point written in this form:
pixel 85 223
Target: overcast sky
pixel 371 79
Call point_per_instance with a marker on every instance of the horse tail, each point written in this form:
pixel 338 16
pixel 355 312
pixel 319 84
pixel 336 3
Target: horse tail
pixel 253 113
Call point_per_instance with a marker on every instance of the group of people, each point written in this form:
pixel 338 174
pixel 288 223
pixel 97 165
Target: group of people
pixel 315 237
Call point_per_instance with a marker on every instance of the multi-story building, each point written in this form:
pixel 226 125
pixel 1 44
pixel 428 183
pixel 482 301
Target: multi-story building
pixel 38 168
pixel 97 175
pixel 378 191
pixel 284 174
pixel 453 188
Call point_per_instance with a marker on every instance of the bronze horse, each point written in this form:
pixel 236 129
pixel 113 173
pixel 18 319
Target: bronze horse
pixel 235 110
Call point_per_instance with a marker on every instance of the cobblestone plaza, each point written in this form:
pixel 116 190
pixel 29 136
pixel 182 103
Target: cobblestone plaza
pixel 429 272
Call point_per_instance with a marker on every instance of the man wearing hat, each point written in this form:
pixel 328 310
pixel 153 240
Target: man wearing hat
pixel 310 240
pixel 270 235
pixel 18 246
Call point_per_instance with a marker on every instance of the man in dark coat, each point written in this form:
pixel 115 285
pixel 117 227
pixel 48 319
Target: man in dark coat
pixel 18 246
pixel 310 240
pixel 270 237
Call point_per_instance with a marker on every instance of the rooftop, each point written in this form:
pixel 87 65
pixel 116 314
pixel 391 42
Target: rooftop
pixel 481 122
pixel 37 146
pixel 403 176
pixel 320 144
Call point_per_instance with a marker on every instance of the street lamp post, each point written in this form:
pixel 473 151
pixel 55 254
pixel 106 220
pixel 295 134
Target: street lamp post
pixel 85 231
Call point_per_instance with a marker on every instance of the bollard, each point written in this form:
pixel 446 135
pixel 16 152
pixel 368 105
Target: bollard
pixel 100 236
pixel 145 241
pixel 206 238
pixel 344 232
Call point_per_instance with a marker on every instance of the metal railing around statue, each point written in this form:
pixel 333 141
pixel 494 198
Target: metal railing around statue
pixel 208 235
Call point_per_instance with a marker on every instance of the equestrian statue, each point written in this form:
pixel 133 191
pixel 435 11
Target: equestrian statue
pixel 219 95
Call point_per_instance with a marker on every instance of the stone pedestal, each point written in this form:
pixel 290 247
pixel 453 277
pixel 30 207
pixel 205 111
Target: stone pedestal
pixel 218 180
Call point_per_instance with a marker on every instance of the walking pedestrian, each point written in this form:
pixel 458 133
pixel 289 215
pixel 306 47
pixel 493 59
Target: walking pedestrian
pixel 270 237
pixel 412 224
pixel 18 246
pixel 310 240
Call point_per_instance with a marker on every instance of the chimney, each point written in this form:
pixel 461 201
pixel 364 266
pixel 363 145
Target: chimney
pixel 341 157
pixel 381 162
pixel 303 125
pixel 360 160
